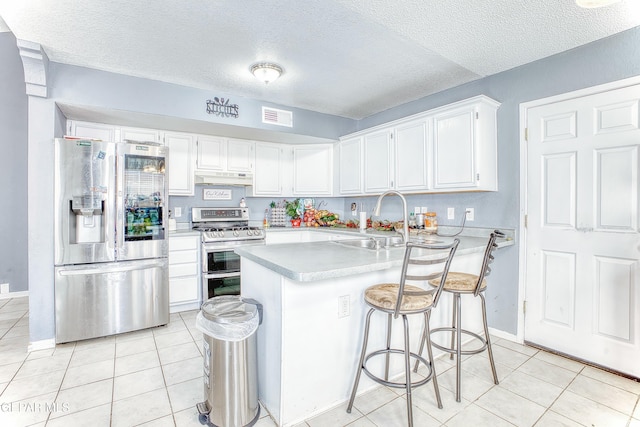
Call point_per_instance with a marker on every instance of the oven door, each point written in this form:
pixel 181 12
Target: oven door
pixel 220 261
pixel 215 285
pixel 221 268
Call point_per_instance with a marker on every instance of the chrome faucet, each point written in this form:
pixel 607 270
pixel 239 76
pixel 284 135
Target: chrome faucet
pixel 405 215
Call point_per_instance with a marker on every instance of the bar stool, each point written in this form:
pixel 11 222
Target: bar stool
pixel 402 299
pixel 460 284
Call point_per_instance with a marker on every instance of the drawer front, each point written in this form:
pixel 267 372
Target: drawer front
pixel 183 289
pixel 182 270
pixel 184 257
pixel 183 243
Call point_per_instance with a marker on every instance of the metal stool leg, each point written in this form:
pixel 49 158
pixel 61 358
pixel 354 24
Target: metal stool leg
pixel 361 363
pixel 486 334
pixel 407 368
pixel 453 324
pixel 434 377
pixel 458 332
pixel 386 365
pixel 423 340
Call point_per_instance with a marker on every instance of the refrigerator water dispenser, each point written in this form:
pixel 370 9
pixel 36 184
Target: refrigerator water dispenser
pixel 87 219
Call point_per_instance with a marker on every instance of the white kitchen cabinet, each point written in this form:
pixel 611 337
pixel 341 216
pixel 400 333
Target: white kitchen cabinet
pixel 240 155
pixel 313 170
pixel 181 164
pixel 378 162
pixel 410 147
pixel 465 146
pixel 184 273
pixel 212 153
pixel 269 170
pixel 350 166
pixel 224 154
pixel 99 131
pixel 450 148
pixel 139 134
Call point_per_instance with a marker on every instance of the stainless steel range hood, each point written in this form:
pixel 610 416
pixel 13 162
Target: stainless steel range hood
pixel 223 178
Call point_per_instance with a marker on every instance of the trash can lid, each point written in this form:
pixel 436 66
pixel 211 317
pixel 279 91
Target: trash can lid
pixel 228 309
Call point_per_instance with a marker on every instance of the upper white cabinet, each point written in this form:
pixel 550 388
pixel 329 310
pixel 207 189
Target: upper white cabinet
pixel 411 158
pixel 139 134
pixel 313 170
pixel 465 147
pixel 240 155
pixel 212 153
pixel 99 131
pixel 450 148
pixel 224 154
pixel 350 166
pixel 378 164
pixel 181 165
pixel 268 170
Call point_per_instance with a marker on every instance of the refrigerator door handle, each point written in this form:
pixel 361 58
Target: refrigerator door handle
pixel 128 266
pixel 119 196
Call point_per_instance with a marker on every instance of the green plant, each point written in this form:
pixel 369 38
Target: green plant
pixel 293 208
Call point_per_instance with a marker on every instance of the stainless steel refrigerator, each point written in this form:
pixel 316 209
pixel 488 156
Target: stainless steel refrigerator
pixel 111 269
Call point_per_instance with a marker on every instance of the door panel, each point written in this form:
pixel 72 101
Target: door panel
pixel 559 272
pixel 583 243
pixel 560 190
pixel 617 189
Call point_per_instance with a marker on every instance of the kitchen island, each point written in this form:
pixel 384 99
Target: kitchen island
pixel 310 338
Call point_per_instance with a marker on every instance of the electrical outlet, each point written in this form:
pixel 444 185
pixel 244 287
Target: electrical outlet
pixel 451 213
pixel 344 306
pixel 417 210
pixel 425 209
pixel 470 214
pixel 4 288
pixel 177 212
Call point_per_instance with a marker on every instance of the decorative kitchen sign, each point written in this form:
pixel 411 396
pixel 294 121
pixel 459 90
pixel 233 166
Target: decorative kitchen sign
pixel 221 107
pixel 216 194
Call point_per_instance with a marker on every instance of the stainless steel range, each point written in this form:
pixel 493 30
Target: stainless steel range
pixel 222 229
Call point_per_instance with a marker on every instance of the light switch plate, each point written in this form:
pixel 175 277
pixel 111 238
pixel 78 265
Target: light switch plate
pixel 451 213
pixel 4 288
pixel 177 212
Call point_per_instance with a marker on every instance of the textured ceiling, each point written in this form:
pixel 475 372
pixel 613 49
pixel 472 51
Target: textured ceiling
pixel 350 58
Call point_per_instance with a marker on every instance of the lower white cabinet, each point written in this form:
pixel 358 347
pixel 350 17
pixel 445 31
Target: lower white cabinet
pixel 184 273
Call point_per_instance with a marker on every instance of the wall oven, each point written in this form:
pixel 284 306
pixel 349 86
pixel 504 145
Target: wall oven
pixel 222 230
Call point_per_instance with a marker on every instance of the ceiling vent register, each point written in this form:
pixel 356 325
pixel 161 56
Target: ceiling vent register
pixel 274 116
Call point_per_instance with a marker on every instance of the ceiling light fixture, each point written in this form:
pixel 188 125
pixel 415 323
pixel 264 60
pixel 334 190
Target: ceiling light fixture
pixel 266 72
pixel 592 4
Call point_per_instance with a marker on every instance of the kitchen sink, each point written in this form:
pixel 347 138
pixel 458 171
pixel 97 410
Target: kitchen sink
pixel 373 243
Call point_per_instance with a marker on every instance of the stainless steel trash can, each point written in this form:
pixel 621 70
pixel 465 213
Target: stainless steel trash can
pixel 229 325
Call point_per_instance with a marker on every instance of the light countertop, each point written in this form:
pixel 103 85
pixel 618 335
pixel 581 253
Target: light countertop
pixel 307 262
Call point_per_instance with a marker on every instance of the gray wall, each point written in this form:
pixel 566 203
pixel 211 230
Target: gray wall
pixel 13 167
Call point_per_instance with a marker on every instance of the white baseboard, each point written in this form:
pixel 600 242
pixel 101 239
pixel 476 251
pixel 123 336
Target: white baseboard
pixel 42 344
pixel 14 295
pixel 504 335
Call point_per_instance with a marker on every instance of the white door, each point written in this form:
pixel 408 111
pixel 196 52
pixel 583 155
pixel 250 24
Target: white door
pixel 583 246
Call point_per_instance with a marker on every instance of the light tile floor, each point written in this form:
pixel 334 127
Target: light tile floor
pixel 154 378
